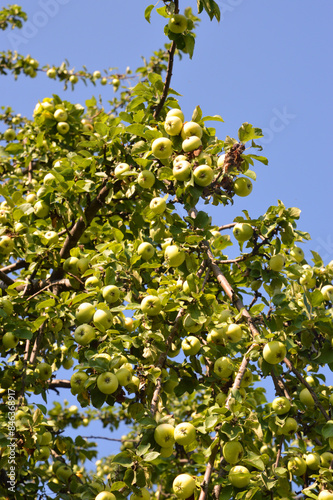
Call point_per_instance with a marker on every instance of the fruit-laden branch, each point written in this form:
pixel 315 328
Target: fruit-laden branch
pixel 304 382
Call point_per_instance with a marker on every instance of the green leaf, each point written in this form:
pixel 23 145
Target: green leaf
pixel 327 429
pixel 214 118
pixel 124 459
pixel 247 132
pixel 151 456
pixel 189 44
pixel 262 159
pixel 197 114
pixel 252 175
pixel 148 12
pixel 45 304
pixel 101 128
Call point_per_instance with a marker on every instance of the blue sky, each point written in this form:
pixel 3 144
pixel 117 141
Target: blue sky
pixel 267 63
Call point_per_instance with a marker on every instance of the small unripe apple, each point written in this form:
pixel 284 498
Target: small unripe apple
pixel 183 486
pixel 203 175
pixel 191 129
pixel 239 476
pixel 162 148
pixel 233 452
pixel 177 23
pixel 176 112
pixel 62 128
pixel 242 186
pixel 297 254
pixel 184 433
pixel 276 263
pixel 146 179
pixel 60 115
pixel 191 143
pixel 306 398
pixel 274 352
pixel 297 466
pixel 9 134
pixel 164 435
pixel 173 125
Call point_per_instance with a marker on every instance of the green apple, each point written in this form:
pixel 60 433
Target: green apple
pixel 216 335
pixel 49 179
pixel 6 245
pixel 308 279
pixel 313 461
pixel 142 495
pixel 129 324
pixel 327 292
pixel 191 129
pixel 146 179
pixel 233 452
pixel 325 495
pixel 242 231
pixel 242 186
pixel 107 383
pixel 182 170
pixel 73 79
pixel 190 325
pixel 274 352
pixel 9 340
pixel 164 435
pixel 21 227
pixel 50 238
pixel 146 250
pixel 44 371
pixel 191 144
pixel 247 379
pixel 185 433
pixel 105 495
pixel 183 486
pixel 84 334
pixel 93 282
pixel 173 125
pixel 42 453
pixel 115 83
pixel 233 333
pixel 9 134
pixel 60 115
pixel 70 265
pixel 63 473
pixel 203 175
pixel 63 128
pixel 6 305
pixel 162 148
pixel 151 305
pixel 121 169
pixel 85 312
pixel 326 459
pixel 103 319
pixel 220 160
pixel 178 159
pixel 45 438
pixel 297 254
pixel 97 75
pixel 77 382
pixel 297 466
pixel 177 23
pixel 83 264
pixel 111 293
pixel 290 427
pixel 221 399
pixel 31 197
pixel 174 256
pixel 306 398
pixel 239 476
pixel 124 376
pixel 157 205
pixel 223 367
pixel 166 452
pixel 176 112
pixel 276 263
pixel 68 363
pixel 51 73
pixel 281 405
pixel 191 345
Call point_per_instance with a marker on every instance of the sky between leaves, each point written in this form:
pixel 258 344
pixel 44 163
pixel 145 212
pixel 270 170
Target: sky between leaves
pixel 266 63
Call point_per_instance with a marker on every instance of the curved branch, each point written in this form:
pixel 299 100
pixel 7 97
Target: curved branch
pixel 167 81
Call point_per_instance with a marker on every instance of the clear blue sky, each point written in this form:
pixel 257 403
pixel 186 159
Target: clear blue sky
pixel 265 60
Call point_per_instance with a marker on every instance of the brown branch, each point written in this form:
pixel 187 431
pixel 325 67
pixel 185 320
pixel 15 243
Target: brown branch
pixel 107 439
pixel 59 383
pixel 280 386
pixel 279 452
pixel 227 226
pixel 304 382
pixel 167 81
pixel 6 279
pixel 13 267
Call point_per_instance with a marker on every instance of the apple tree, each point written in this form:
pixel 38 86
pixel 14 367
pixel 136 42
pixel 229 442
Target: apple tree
pixel 112 275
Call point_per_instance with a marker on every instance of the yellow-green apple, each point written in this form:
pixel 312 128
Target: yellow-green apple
pixel 84 334
pixel 70 265
pixel 313 461
pixel 221 399
pixel 111 293
pixel 174 255
pixel 205 158
pixel 233 452
pixel 63 473
pixel 105 495
pixel 191 143
pixel 97 74
pixel 276 263
pixel 178 159
pixel 142 495
pixel 177 23
pixel 60 115
pixel 9 340
pixel 166 452
pixel 115 82
pixel 62 128
pixel 44 371
pixel 183 486
pixel 191 129
pixel 73 79
pixel 31 197
pixel 107 382
pixel 42 453
pixel 121 169
pixel 242 231
pixel 6 244
pixel 83 264
pixel 157 205
pixel 191 345
pixel 306 398
pixel 327 292
pixel 220 160
pixel 146 179
pixel 233 333
pixel 164 435
pixel 239 476
pixel 289 427
pixel 124 376
pixel 274 352
pixel 325 495
pixel 182 170
pixel 45 438
pixel 50 238
pixel 190 325
pixel 162 148
pixel 85 312
pixel 146 250
pixel 176 112
pixel 216 335
pixel 9 134
pixel 173 125
pixel 242 186
pixel 223 367
pixel 203 175
pixel 185 433
pixel 297 466
pixel 151 305
pixel 129 324
pixel 103 319
pixel 93 282
pixel 308 279
pixel 281 405
pixel 326 459
pixel 297 254
pixel 49 179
